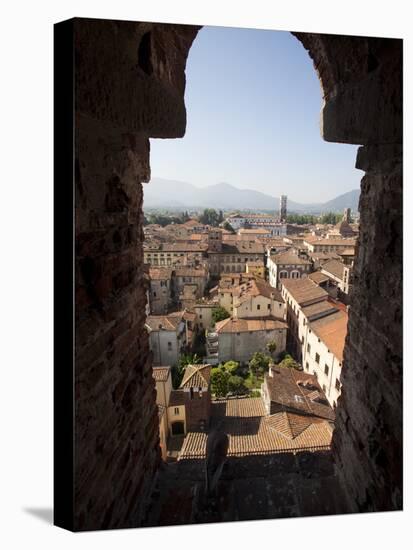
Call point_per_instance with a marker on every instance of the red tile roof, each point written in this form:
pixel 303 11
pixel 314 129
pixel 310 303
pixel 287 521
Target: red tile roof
pixel 332 330
pixel 249 325
pixel 259 434
pixel 161 373
pixel 196 376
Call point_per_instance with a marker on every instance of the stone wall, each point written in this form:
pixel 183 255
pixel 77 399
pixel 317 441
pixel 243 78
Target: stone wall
pixel 362 85
pixel 130 82
pixel 129 86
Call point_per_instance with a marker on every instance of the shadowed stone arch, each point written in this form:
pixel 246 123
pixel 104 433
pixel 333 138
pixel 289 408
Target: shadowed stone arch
pixel 130 82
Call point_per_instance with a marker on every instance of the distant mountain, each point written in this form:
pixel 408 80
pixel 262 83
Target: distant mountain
pixel 163 193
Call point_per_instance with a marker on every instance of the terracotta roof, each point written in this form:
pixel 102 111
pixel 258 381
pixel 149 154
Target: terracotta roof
pixel 318 277
pixel 258 287
pixel 324 256
pixel 161 373
pixel 304 290
pixel 260 434
pixel 332 242
pixel 243 247
pixel 334 267
pixel 347 252
pixel 196 376
pixel 291 389
pixel 189 315
pixel 289 424
pixel 288 258
pixel 319 309
pixel 332 331
pixel 164 322
pixel 184 247
pixel 160 273
pixel 231 325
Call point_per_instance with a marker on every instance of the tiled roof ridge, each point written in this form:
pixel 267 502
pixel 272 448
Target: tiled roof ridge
pixel 195 370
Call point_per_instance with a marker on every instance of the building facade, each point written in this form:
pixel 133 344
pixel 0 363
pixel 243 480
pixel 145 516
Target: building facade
pixel 286 265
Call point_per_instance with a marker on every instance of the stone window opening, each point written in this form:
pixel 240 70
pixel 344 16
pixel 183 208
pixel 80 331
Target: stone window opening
pixel 331 132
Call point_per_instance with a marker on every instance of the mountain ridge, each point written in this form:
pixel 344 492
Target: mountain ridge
pixel 164 193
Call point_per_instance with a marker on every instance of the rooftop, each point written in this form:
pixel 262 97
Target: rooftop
pixel 160 273
pixel 304 290
pixel 332 330
pixel 258 287
pixel 251 432
pixel 318 277
pixel 334 267
pixel 164 322
pixel 161 373
pixel 196 376
pixel 231 325
pixel 297 392
pixel 330 242
pixel 288 258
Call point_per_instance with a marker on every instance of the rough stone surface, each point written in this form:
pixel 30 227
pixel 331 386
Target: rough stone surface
pixel 124 94
pixel 129 86
pixel 255 487
pixel 362 83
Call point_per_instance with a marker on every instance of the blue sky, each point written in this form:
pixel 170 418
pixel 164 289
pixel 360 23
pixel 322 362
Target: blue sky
pixel 253 104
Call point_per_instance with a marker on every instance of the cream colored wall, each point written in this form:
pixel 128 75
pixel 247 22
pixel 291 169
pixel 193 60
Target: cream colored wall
pixel 326 358
pixel 180 417
pixel 206 313
pixel 163 391
pixel 226 300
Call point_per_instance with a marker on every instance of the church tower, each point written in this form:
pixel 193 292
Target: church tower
pixel 214 240
pixel 283 208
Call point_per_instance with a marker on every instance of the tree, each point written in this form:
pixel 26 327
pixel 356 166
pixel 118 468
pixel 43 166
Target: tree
pixel 289 362
pixel 219 314
pixel 209 217
pixel 331 218
pixel 230 366
pixel 189 359
pixel 219 381
pixel 272 346
pixel 236 385
pixel 259 363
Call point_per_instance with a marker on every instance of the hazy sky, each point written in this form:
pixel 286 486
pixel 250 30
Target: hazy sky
pixel 253 106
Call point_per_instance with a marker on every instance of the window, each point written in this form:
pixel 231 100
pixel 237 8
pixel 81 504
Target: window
pixel 326 369
pixel 258 306
pixel 154 294
pixel 308 348
pixel 338 385
pixel 176 411
pixel 200 316
pixel 169 346
pixel 191 393
pixel 269 306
